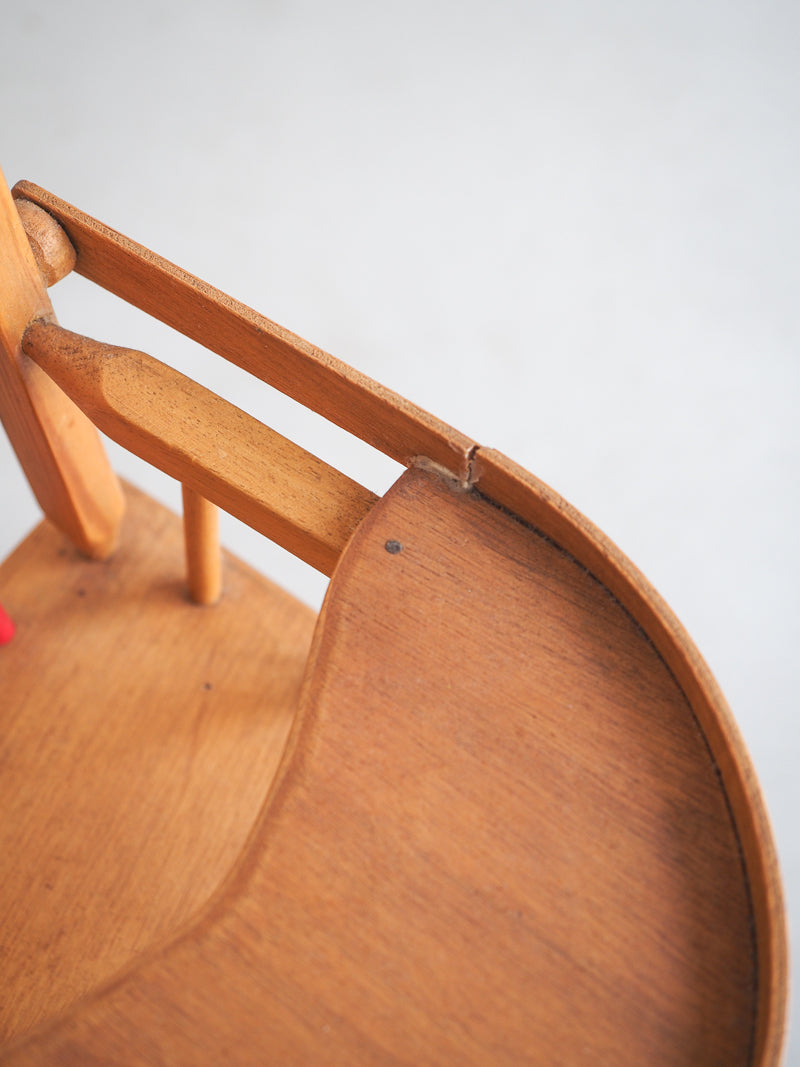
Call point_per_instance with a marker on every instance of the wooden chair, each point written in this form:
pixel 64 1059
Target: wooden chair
pixel 489 807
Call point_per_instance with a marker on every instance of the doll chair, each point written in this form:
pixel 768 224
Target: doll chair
pixel 488 808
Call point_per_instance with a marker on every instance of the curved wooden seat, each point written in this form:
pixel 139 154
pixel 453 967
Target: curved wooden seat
pixel 499 836
pixel 513 820
pixel 139 735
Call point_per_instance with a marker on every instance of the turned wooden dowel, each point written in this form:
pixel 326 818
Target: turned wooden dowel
pixel 52 249
pixel 201 538
pixel 261 347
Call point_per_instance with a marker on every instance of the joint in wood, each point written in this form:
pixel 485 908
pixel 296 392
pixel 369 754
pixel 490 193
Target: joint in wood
pixel 52 249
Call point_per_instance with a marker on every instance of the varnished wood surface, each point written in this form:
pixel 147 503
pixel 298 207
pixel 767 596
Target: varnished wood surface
pixel 219 451
pixel 520 492
pixel 57 446
pixel 250 340
pixel 498 836
pixel 201 542
pixel 139 734
pixel 54 255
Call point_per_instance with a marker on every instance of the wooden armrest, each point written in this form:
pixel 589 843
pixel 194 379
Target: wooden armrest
pixel 297 368
pixel 208 444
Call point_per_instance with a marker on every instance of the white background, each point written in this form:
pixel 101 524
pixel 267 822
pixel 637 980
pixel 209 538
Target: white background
pixel 569 229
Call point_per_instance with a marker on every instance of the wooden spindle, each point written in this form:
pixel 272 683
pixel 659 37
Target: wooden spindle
pixel 201 537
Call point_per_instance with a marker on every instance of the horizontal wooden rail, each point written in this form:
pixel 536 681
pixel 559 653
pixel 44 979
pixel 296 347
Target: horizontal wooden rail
pixel 306 373
pixel 209 445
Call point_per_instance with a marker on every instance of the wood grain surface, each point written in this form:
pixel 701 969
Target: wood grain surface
pixel 498 836
pixel 54 255
pixel 251 341
pixel 526 496
pixel 138 738
pixel 208 444
pixel 514 822
pixel 201 542
pixel 57 447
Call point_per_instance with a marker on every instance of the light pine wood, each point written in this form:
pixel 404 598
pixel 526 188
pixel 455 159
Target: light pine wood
pixel 201 538
pixel 54 255
pixel 215 449
pixel 58 448
pixel 498 836
pixel 138 738
pixel 250 340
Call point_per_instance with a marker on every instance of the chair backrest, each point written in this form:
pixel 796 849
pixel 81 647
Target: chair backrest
pixel 645 679
pixel 281 490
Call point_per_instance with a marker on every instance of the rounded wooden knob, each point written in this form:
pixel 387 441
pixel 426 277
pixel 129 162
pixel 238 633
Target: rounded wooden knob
pixel 52 249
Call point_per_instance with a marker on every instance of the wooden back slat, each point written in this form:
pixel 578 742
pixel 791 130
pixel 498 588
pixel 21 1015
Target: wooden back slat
pixel 208 444
pixel 297 368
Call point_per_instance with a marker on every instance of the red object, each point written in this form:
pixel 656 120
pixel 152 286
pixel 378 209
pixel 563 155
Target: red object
pixel 6 627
